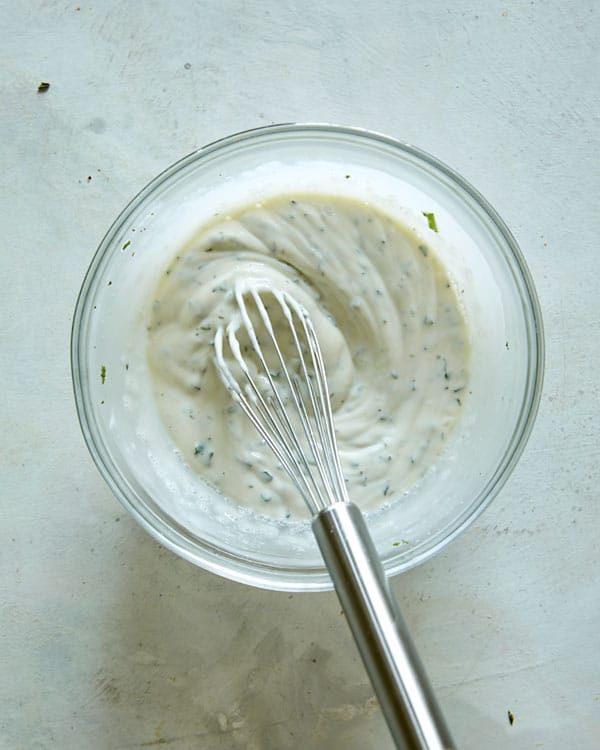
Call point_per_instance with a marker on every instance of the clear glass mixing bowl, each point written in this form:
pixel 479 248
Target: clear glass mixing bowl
pixel 133 451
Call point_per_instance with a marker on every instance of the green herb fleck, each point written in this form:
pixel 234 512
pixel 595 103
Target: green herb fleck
pixel 199 449
pixel 43 86
pixel 423 248
pixel 402 541
pixel 506 345
pixel 126 245
pixel 347 176
pixel 431 220
pixel 103 374
pixel 511 717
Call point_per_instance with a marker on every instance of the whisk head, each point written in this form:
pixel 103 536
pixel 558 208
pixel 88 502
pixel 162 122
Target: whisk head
pixel 284 395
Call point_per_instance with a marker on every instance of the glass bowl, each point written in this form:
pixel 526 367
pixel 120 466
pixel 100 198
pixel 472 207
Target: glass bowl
pixel 132 449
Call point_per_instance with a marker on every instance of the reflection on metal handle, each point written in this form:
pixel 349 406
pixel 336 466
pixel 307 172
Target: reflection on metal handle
pixel 397 675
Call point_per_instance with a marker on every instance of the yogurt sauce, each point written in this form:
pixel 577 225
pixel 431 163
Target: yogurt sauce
pixel 389 321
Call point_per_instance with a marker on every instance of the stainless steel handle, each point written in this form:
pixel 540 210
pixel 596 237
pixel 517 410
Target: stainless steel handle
pixel 392 663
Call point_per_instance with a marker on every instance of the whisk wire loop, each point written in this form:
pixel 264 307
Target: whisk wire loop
pixel 308 455
pixel 255 414
pixel 276 400
pixel 323 414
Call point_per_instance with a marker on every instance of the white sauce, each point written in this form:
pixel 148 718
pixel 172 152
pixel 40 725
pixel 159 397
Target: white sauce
pixel 389 322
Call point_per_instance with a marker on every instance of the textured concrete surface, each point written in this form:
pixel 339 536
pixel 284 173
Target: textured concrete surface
pixel 107 640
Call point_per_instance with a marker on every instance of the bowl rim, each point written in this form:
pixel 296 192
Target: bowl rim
pixel 172 535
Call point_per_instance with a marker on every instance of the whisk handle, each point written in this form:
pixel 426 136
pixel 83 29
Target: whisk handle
pixel 397 675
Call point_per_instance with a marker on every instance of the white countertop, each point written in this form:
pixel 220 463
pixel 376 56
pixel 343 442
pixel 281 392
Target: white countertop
pixel 109 641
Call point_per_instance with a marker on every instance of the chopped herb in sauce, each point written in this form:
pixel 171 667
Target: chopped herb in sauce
pixel 432 223
pixel 126 245
pixel 103 374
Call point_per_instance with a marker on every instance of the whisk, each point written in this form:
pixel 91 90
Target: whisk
pixel 287 400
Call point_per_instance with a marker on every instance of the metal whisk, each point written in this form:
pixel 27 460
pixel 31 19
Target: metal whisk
pixel 287 400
